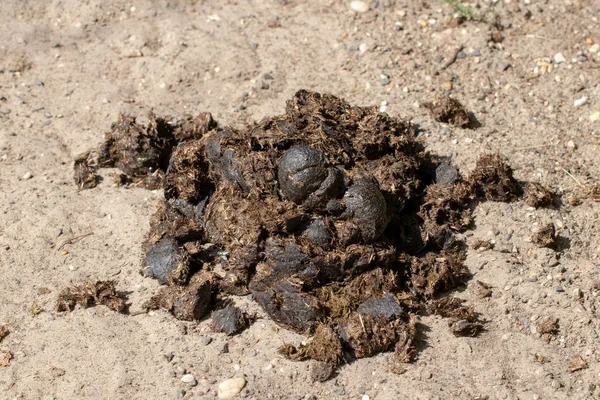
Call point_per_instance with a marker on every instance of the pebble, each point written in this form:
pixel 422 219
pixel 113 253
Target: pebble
pixel 398 26
pixel 365 397
pixel 224 348
pixel 384 79
pixel 502 66
pixel 580 101
pixel 595 48
pixel 445 131
pixel 359 6
pixel 476 52
pixel 189 379
pixel 595 116
pixel 310 397
pixel 571 144
pixel 461 55
pixel 206 340
pixel 230 388
pixel 559 289
pixel 28 175
pixel 38 82
pixel 240 107
pixel 447 85
pixel 383 106
pixel 362 47
pixel 559 58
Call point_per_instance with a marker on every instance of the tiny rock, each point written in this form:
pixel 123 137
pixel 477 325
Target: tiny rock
pixel 359 6
pixel 502 66
pixel 595 48
pixel 189 379
pixel 559 58
pixel 580 101
pixel 230 388
pixel 447 85
pixel 363 47
pixel 28 175
pixel 595 116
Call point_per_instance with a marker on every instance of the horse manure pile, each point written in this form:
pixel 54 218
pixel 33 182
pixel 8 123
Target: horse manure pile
pixel 333 217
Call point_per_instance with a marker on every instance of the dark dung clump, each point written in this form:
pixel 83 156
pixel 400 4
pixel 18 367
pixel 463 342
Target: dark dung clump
pixel 333 216
pixel 89 294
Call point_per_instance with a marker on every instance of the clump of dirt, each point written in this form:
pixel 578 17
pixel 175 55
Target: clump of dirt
pixel 546 236
pixel 89 294
pixel 448 110
pixel 332 216
pixel 536 195
pixel 322 372
pixel 229 320
pixel 85 175
pixel 188 303
pixel 483 290
pixel 493 179
pixel 577 363
pixel 5 357
pixel 4 331
pixel 548 328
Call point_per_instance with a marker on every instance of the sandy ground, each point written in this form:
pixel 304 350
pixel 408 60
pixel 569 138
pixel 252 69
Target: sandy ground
pixel 68 67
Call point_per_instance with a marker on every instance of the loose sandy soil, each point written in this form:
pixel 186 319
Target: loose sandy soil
pixel 68 67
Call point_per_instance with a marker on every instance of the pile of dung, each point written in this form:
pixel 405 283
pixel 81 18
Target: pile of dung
pixel 333 217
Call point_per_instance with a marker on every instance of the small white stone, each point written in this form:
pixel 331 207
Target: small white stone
pixel 595 116
pixel 359 6
pixel 236 367
pixel 595 48
pixel 363 47
pixel 28 175
pixel 580 101
pixel 559 58
pixel 189 379
pixel 571 144
pixel 230 388
pixel 365 397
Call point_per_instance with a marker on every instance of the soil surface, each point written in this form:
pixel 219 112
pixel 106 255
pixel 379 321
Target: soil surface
pixel 526 74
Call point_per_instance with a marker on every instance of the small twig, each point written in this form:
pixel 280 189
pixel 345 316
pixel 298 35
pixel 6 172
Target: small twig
pixel 362 323
pixel 575 179
pixel 537 37
pixel 453 56
pixel 539 146
pixel 74 240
